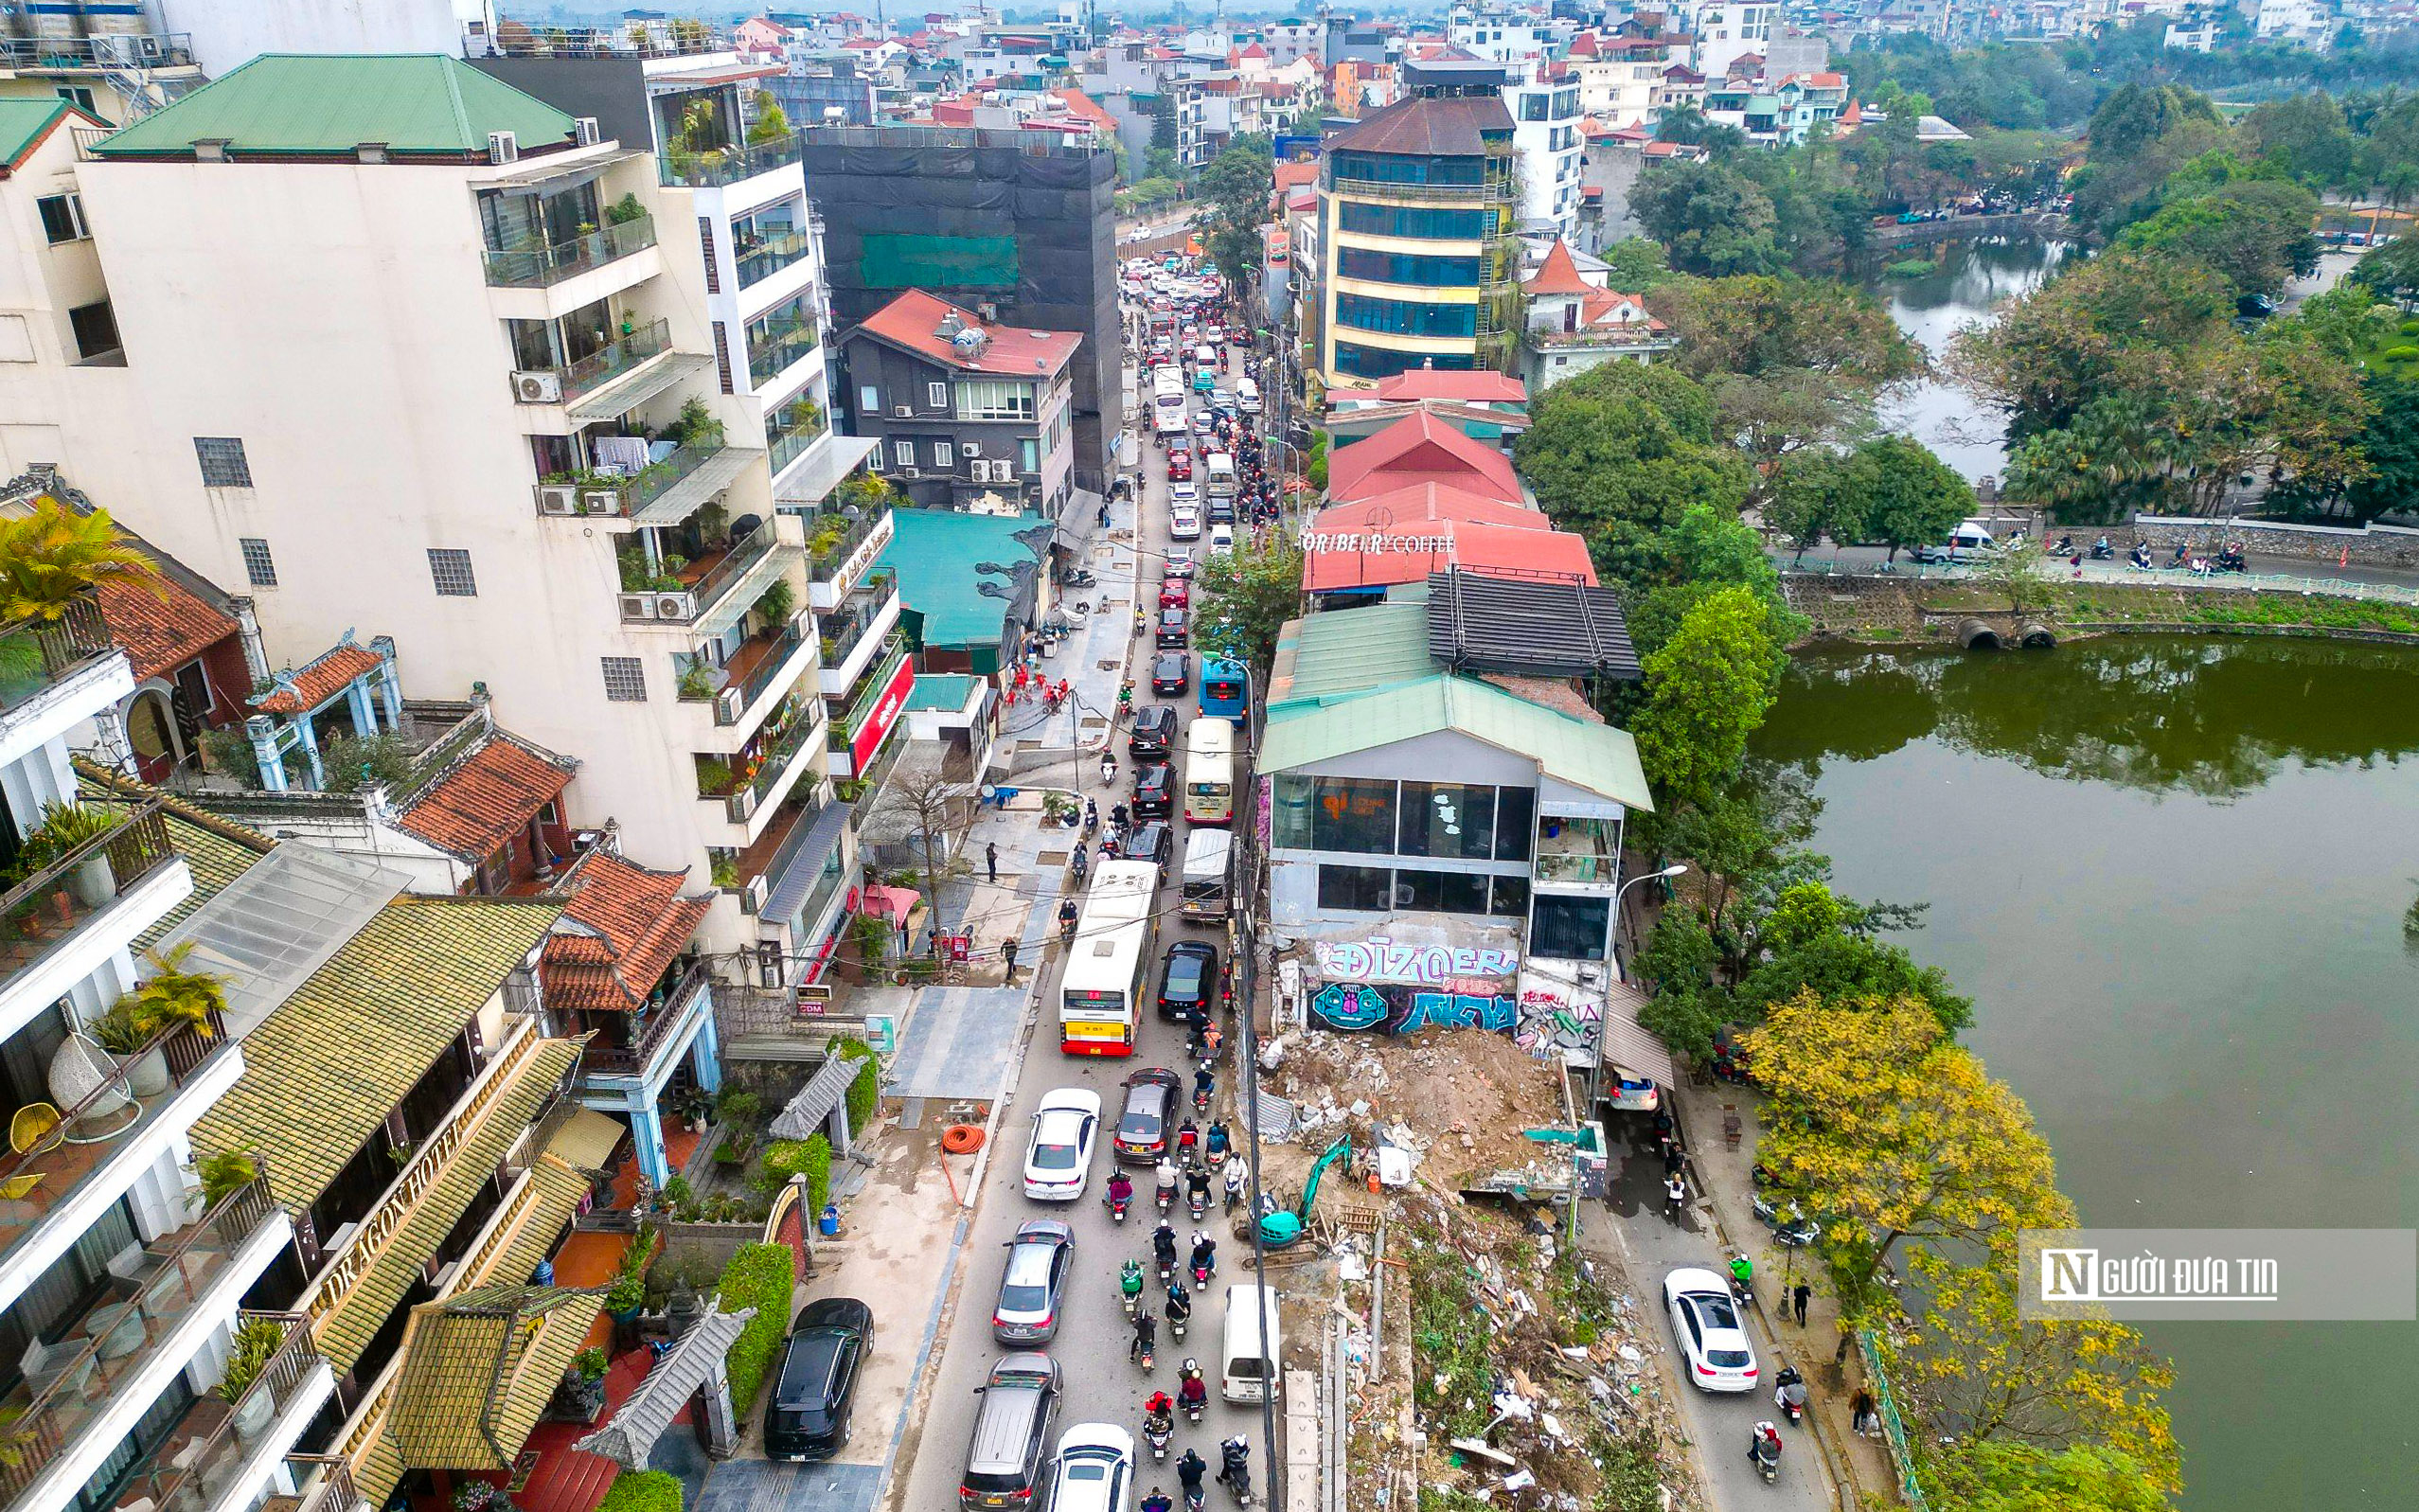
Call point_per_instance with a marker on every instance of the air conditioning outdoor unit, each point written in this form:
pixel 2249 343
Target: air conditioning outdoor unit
pixel 503 146
pixel 752 897
pixel 637 606
pixel 728 705
pixel 911 473
pixel 673 606
pixel 904 412
pixel 538 386
pixel 987 311
pixel 558 498
pixel 589 133
pixel 970 448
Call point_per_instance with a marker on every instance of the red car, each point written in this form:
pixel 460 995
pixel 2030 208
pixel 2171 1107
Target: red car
pixel 1175 593
pixel 1180 466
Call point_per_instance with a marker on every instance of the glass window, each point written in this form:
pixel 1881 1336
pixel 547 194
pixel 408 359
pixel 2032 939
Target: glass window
pixel 1441 892
pixel 1511 898
pixel 1406 267
pixel 625 680
pixel 1423 222
pixel 944 455
pixel 451 570
pixel 1449 819
pixel 223 462
pixel 1291 798
pixel 869 399
pixel 782 335
pixel 1381 362
pixel 1532 107
pixel 937 395
pixel 1569 929
pixel 991 399
pixel 62 218
pixel 1031 451
pixel 1357 889
pixel 1405 317
pixel 96 328
pixel 904 451
pixel 1515 821
pixel 1352 814
pixel 259 568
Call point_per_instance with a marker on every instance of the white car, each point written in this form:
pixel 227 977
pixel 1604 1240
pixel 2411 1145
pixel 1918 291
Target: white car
pixel 1221 539
pixel 1095 1469
pixel 1184 524
pixel 1706 1325
pixel 1185 494
pixel 1058 1158
pixel 1632 1091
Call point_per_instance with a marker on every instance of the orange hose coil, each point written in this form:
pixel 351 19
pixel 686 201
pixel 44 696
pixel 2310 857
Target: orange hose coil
pixel 961 1139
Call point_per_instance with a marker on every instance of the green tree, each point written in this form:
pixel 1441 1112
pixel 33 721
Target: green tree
pixel 52 555
pixel 1234 190
pixel 2391 271
pixel 2002 1475
pixel 1909 495
pixel 2389 445
pixel 2255 234
pixel 2305 135
pixel 1708 689
pixel 1811 940
pixel 1636 265
pixel 1710 218
pixel 1245 595
pixel 1813 495
pixel 771 123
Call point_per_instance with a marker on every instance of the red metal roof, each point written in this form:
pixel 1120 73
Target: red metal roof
pixel 498 789
pixel 160 633
pixel 913 321
pixel 319 680
pixel 1428 501
pixel 1374 557
pixel 621 931
pixel 1478 387
pixel 1422 449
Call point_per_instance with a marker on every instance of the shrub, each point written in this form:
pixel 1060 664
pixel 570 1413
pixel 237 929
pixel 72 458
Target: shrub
pixel 1909 268
pixel 2408 328
pixel 642 1492
pixel 867 1090
pixel 758 1276
pixel 810 1157
pixel 2402 354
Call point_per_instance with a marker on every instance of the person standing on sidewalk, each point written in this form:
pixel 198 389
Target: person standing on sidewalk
pixel 991 859
pixel 1861 1415
pixel 1798 1299
pixel 1008 954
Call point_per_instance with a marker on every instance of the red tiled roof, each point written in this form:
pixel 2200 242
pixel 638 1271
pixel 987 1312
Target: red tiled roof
pixel 160 634
pixel 1255 50
pixel 1557 274
pixel 486 800
pixel 1584 45
pixel 621 931
pixel 319 680
pixel 1422 449
pixel 1437 382
pixel 1345 562
pixel 913 321
pixel 1605 307
pixel 1084 107
pixel 1293 176
pixel 1852 116
pixel 1428 501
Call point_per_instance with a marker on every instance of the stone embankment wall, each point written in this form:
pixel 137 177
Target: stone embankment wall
pixel 2371 545
pixel 1961 227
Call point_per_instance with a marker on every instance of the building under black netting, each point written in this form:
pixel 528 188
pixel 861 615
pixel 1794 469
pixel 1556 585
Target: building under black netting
pixel 1018 230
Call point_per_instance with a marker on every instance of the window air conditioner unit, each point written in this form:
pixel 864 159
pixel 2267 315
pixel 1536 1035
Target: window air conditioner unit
pixel 503 146
pixel 911 473
pixel 904 412
pixel 637 606
pixel 589 133
pixel 558 498
pixel 600 500
pixel 988 311
pixel 752 897
pixel 538 387
pixel 728 705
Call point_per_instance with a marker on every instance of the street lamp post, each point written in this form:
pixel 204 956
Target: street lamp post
pixel 1596 1070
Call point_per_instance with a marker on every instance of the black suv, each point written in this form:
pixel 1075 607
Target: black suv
pixel 1154 732
pixel 1155 792
pixel 1187 979
pixel 808 1417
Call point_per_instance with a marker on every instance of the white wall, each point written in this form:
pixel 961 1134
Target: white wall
pixel 227 33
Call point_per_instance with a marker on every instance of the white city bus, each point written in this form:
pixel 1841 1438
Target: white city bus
pixel 1167 401
pixel 1209 773
pixel 1100 996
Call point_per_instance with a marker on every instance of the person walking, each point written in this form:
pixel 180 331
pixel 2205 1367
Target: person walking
pixel 1008 954
pixel 1861 1415
pixel 1798 1299
pixel 991 859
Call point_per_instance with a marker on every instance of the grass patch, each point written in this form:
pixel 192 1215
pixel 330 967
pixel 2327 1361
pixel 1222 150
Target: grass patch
pixel 1455 1377
pixel 642 1492
pixel 1911 268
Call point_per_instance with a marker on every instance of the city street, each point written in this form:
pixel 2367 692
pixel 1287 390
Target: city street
pixel 1100 1383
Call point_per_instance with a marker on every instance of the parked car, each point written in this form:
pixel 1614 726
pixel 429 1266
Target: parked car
pixel 1221 538
pixel 1155 792
pixel 1095 1469
pixel 1184 524
pixel 1221 511
pixel 1154 733
pixel 808 1415
pixel 1009 1453
pixel 1706 1326
pixel 1153 842
pixel 1147 1117
pixel 1057 1156
pixel 1033 1282
pixel 1171 673
pixel 1180 466
pixel 1187 979
pixel 1174 591
pixel 1173 628
pixel 1631 1091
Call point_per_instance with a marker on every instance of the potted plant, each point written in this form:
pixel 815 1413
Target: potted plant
pixel 172 994
pixel 67 826
pixel 125 1033
pixel 256 1343
pixel 226 1174
pixel 583 1385
pixel 626 1296
pixel 50 557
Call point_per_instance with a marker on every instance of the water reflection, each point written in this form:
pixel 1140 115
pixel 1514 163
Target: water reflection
pixel 2214 718
pixel 1969 281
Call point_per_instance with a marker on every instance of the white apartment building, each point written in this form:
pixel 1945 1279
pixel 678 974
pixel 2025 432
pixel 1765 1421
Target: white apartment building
pixel 1728 30
pixel 415 352
pixel 1543 99
pixel 122 1268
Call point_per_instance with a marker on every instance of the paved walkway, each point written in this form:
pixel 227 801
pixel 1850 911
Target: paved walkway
pixel 2270 573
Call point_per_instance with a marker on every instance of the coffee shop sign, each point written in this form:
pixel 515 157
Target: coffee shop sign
pixel 1348 541
pixel 1380 959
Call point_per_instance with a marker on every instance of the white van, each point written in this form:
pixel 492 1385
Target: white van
pixel 1252 1349
pixel 1202 898
pixel 1222 476
pixel 1247 395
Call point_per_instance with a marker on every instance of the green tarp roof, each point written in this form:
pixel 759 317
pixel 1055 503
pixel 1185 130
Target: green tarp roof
pixel 332 103
pixel 1341 653
pixel 939 553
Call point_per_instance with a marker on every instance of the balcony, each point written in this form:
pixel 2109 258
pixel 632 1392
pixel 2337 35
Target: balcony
pixel 869 691
pixel 40 914
pixel 692 593
pixel 768 255
pixel 37 654
pixel 622 354
pixel 762 663
pixel 165 1291
pixel 625 497
pixel 718 166
pixel 171 1081
pixel 866 614
pixel 53 55
pixel 781 344
pixel 543 265
pixel 202 1457
pixel 651 1029
pixel 791 427
pixel 1585 851
pixel 755 781
pixel 842 542
pixel 324 1483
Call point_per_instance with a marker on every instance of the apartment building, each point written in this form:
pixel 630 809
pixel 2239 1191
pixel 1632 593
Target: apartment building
pixel 1727 30
pixel 518 369
pixel 1413 248
pixel 1780 114
pixel 1543 98
pixel 965 415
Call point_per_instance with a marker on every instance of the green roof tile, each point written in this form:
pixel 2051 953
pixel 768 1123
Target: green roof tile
pixel 283 103
pixel 1343 652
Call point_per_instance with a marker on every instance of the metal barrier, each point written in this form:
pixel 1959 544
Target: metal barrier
pixel 1893 1427
pixel 2120 577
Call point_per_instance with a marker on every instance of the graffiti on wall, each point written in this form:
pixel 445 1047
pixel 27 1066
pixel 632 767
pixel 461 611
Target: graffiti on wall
pixel 1395 1008
pixel 1380 959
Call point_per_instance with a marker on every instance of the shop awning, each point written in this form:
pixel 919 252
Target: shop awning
pixel 587 1139
pixel 1627 1044
pixel 635 387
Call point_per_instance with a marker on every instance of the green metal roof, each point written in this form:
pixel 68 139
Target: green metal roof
pixel 299 103
pixel 23 121
pixel 946 692
pixel 937 554
pixel 1345 652
pixel 1597 757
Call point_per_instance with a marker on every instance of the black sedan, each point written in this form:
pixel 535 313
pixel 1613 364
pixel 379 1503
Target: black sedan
pixel 1155 790
pixel 808 1415
pixel 1147 1119
pixel 1187 979
pixel 1171 673
pixel 1153 842
pixel 1173 629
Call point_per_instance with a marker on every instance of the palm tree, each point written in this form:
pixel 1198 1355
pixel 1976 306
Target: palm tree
pixel 53 556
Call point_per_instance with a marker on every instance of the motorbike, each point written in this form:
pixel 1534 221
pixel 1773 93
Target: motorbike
pixel 1202 1270
pixel 1235 1469
pixel 1079 578
pixel 1743 1292
pixel 1789 1393
pixel 1194 1499
pixel 2230 561
pixel 2102 551
pixel 1156 1432
pixel 1201 1099
pixel 1197 1202
pixel 1130 1285
pixel 1117 1206
pixel 1166 1198
pixel 1766 1453
pixel 1792 1228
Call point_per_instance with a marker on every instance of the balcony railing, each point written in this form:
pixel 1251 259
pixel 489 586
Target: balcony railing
pixel 832 537
pixel 741 803
pixel 172 49
pixel 201 1455
pixel 56 900
pixel 545 263
pixel 36 653
pixel 843 628
pixel 58 1166
pixel 632 1060
pixel 617 357
pixel 1393 192
pixel 790 429
pixel 726 165
pixel 734 699
pixel 325 1482
pixel 772 254
pixel 744 554
pixel 780 347
pixel 69 1385
pixel 869 692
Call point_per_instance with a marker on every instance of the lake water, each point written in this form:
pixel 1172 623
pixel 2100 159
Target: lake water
pixel 2173 874
pixel 1969 282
